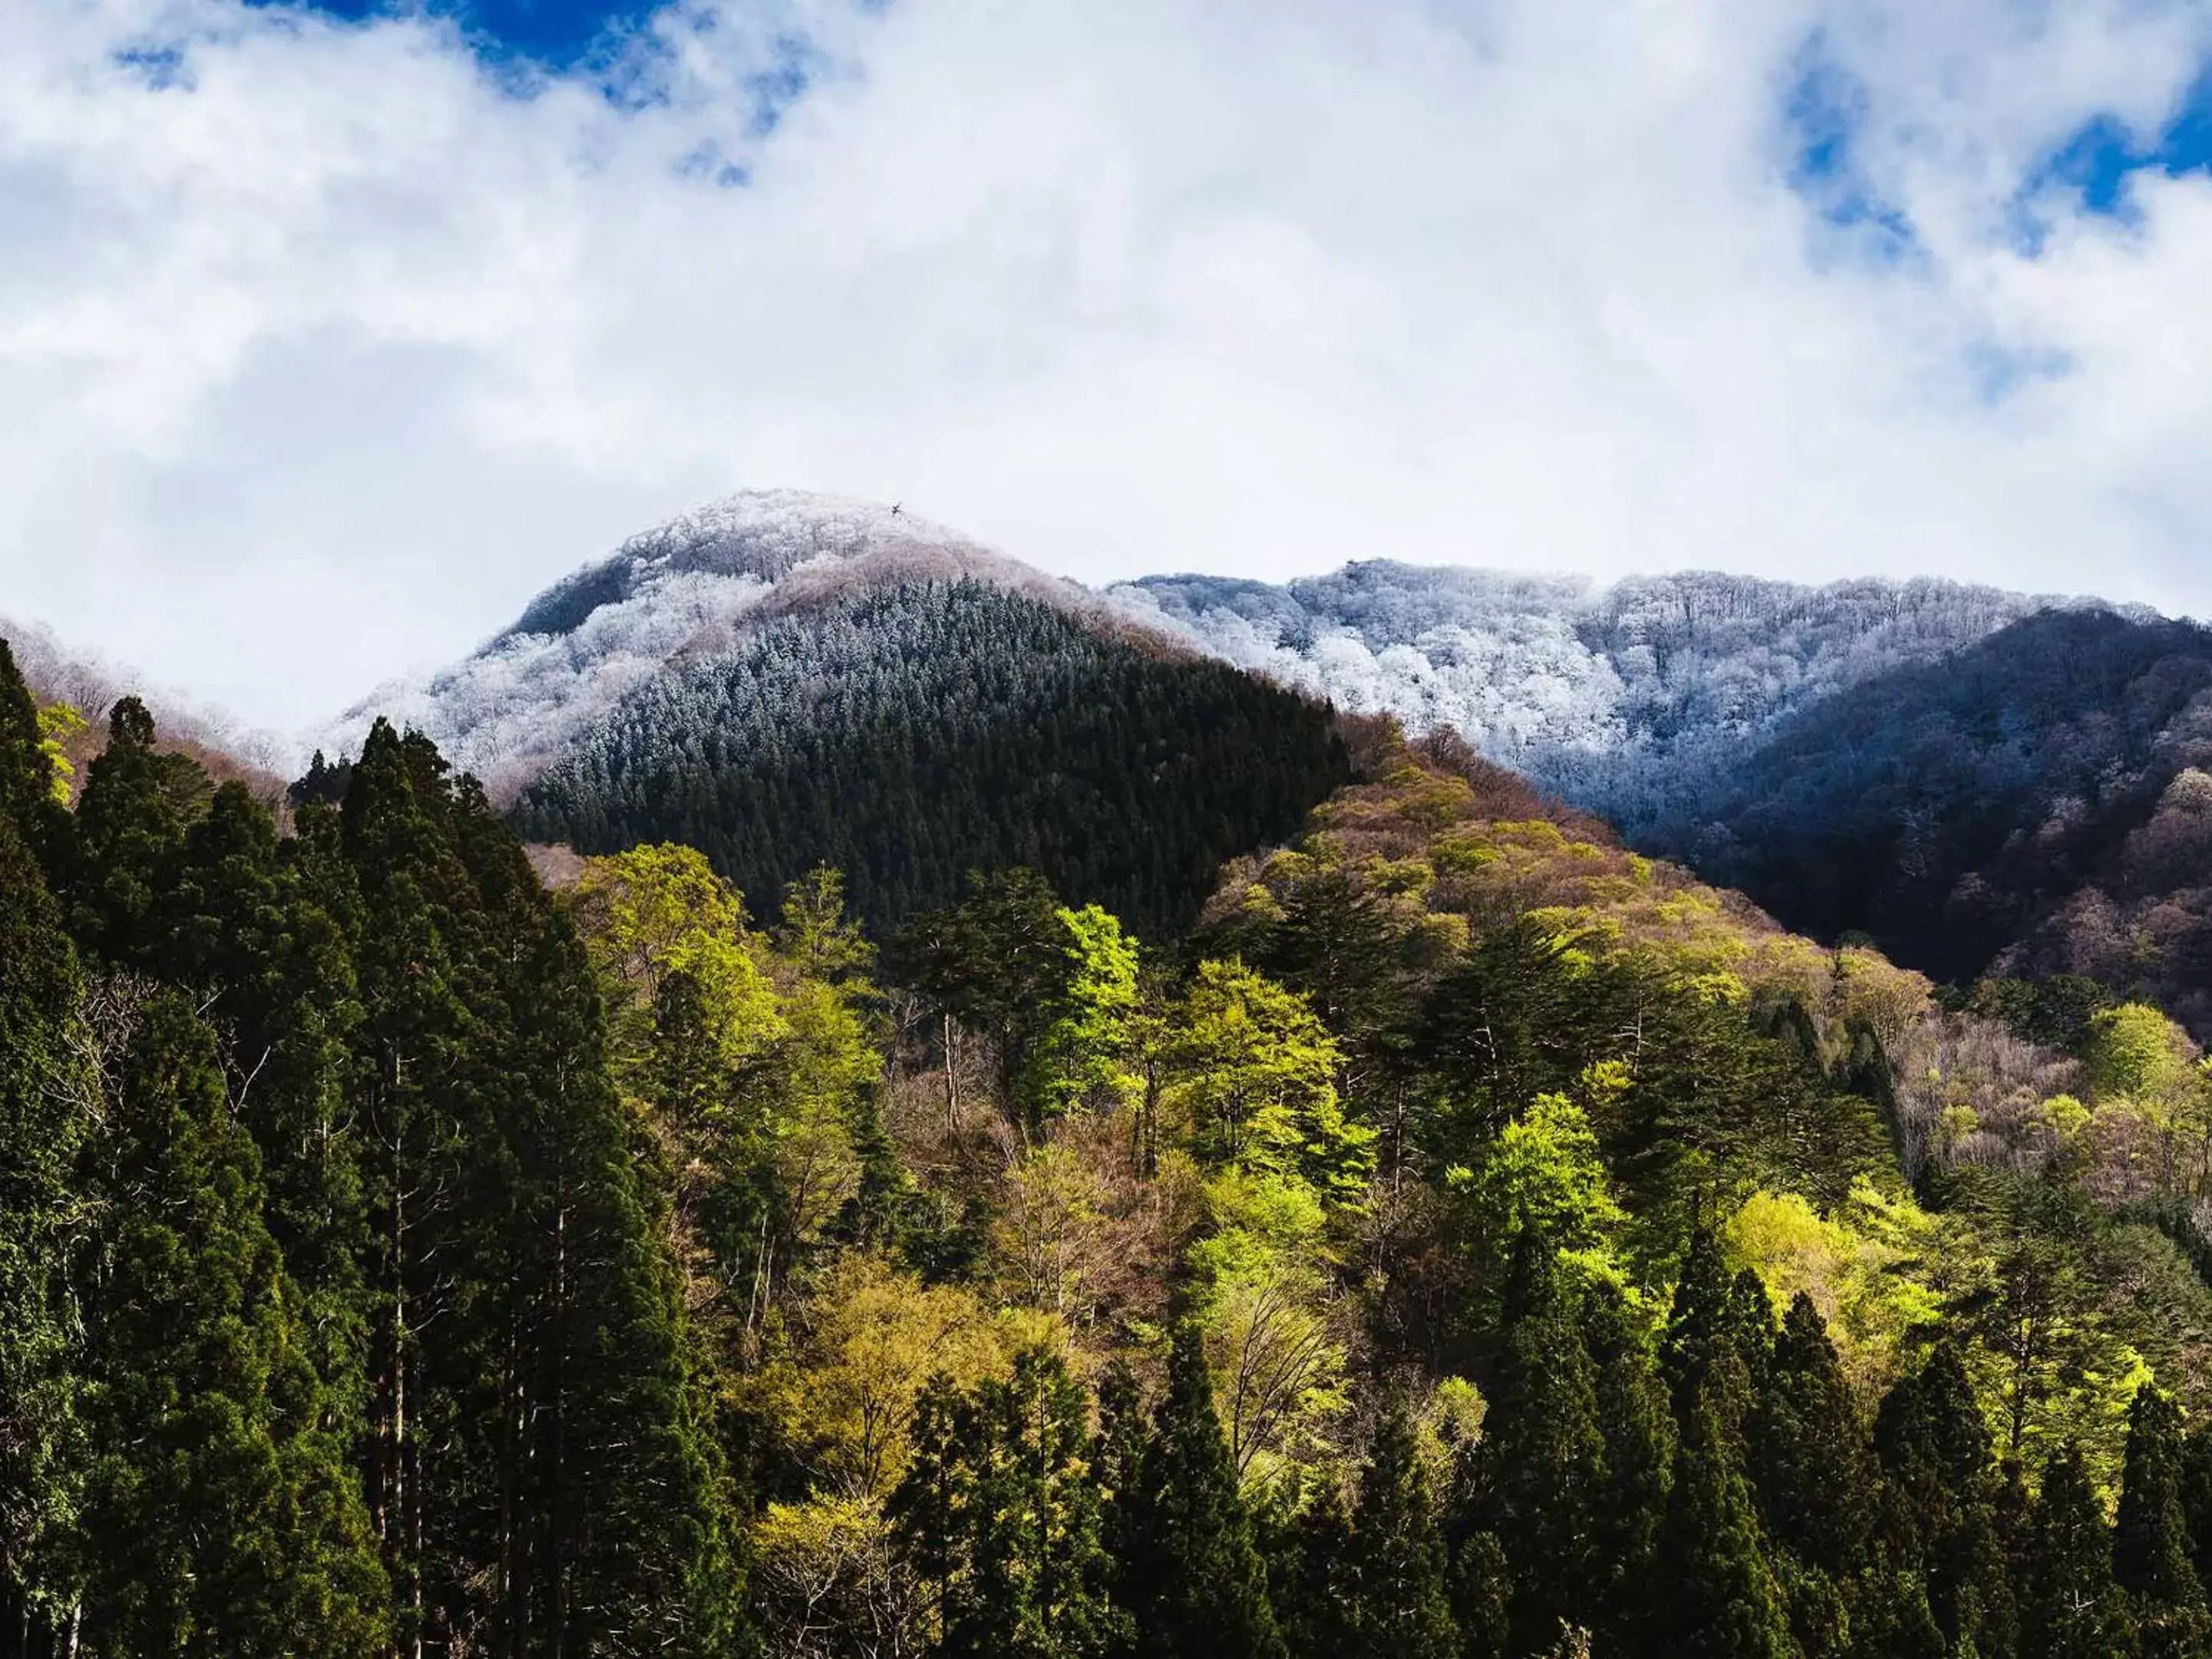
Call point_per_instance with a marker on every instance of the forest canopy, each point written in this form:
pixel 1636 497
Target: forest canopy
pixel 1464 1236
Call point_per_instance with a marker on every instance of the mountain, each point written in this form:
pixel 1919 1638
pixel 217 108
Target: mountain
pixel 2037 802
pixel 785 680
pixel 1627 700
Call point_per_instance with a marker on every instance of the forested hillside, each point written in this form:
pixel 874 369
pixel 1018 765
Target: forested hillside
pixel 906 734
pixel 1470 1238
pixel 2039 802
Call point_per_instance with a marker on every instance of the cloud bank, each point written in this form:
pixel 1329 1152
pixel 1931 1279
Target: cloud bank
pixel 323 345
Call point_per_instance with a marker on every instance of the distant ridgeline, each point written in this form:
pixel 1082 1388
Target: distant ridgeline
pixel 908 733
pixel 2040 801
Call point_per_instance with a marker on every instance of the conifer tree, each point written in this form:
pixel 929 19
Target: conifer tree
pixel 1714 1593
pixel 1543 1471
pixel 1708 1336
pixel 2151 1544
pixel 221 1515
pixel 1003 1518
pixel 1399 1604
pixel 131 822
pixel 1194 1583
pixel 1939 1520
pixel 2197 1498
pixel 45 1119
pixel 1811 1471
pixel 1638 1431
pixel 2070 1606
pixel 1311 1587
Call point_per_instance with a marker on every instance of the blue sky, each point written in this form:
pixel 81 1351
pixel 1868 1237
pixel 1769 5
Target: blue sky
pixel 393 316
pixel 557 33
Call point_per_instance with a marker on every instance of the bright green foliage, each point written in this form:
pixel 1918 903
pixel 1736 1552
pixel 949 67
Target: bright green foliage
pixel 2151 1544
pixel 655 911
pixel 1192 1577
pixel 1002 1516
pixel 1544 1169
pixel 2070 1606
pixel 1081 1054
pixel 1395 1563
pixel 58 725
pixel 220 1515
pixel 1252 1071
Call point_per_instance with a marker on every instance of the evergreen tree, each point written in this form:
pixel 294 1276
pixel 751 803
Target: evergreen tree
pixel 1194 1582
pixel 1940 1508
pixel 1811 1474
pixel 131 822
pixel 1543 1471
pixel 222 1515
pixel 1400 1608
pixel 2070 1606
pixel 1312 1588
pixel 2151 1545
pixel 46 1118
pixel 1638 1432
pixel 1714 1593
pixel 1003 1518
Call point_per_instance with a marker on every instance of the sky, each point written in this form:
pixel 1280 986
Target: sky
pixel 328 335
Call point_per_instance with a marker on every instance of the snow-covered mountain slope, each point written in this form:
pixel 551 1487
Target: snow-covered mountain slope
pixel 1623 699
pixel 692 588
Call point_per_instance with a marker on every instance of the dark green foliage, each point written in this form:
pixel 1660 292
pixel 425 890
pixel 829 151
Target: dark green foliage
pixel 1939 1501
pixel 220 1513
pixel 1482 1597
pixel 1714 1593
pixel 1002 1518
pixel 1192 1578
pixel 2070 1606
pixel 1809 1452
pixel 541 1465
pixel 909 734
pixel 1543 1472
pixel 1312 1587
pixel 2151 1550
pixel 1394 1582
pixel 46 1115
pixel 1637 1430
pixel 995 962
pixel 130 823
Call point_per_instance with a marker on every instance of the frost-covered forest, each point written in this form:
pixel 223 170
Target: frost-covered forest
pixel 908 733
pixel 1628 700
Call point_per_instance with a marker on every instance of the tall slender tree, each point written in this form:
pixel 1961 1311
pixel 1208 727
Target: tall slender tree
pixel 2070 1605
pixel 1194 1582
pixel 2151 1544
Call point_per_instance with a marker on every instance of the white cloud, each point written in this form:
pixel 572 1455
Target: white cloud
pixel 317 364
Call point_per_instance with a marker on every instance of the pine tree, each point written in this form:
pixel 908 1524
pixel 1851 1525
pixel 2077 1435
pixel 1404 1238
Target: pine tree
pixel 2070 1606
pixel 221 1515
pixel 131 822
pixel 1399 1605
pixel 1714 1593
pixel 1194 1582
pixel 1543 1473
pixel 2151 1544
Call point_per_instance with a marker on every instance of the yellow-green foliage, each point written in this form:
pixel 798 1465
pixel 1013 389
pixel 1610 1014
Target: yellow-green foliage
pixel 1251 1073
pixel 1866 1267
pixel 1261 1289
pixel 58 726
pixel 658 910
